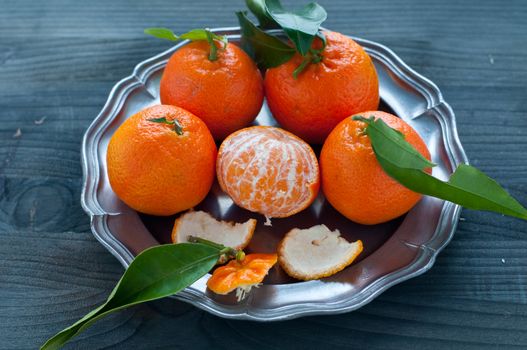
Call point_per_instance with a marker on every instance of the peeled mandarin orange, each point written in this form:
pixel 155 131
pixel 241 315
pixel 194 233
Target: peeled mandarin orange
pixel 268 170
pixel 154 169
pixel 352 178
pixel 343 83
pixel 226 94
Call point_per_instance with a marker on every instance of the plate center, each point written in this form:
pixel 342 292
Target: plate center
pixel 266 238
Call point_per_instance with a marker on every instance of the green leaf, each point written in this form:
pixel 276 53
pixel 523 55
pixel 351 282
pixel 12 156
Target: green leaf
pixel 267 50
pixel 257 7
pixel 155 273
pixel 193 35
pixel 162 33
pixel 162 120
pixel 391 144
pixel 300 26
pixel 467 186
pixel 203 34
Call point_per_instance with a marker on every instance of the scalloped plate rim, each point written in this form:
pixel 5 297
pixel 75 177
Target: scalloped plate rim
pixel 423 262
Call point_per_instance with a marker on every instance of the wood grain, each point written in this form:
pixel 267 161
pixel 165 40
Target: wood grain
pixel 58 62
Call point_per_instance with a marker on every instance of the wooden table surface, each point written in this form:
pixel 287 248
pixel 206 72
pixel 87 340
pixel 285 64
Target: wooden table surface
pixel 58 62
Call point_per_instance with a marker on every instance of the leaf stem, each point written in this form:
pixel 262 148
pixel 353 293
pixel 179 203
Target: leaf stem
pixel 225 252
pixel 213 54
pixel 313 56
pixel 302 66
pixel 195 239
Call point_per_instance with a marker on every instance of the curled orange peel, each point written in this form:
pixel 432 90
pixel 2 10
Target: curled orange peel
pixel 241 275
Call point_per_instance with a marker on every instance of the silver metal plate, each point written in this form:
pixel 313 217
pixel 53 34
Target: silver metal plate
pixel 394 252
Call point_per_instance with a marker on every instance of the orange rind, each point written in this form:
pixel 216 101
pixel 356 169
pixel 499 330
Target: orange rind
pixel 203 225
pixel 242 276
pixel 316 252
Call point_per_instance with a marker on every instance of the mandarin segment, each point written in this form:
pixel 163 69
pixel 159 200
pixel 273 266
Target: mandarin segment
pixel 343 83
pixel 352 178
pixel 226 94
pixel 156 171
pixel 268 170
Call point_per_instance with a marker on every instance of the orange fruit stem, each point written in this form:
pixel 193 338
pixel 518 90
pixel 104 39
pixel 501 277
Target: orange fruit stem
pixel 178 128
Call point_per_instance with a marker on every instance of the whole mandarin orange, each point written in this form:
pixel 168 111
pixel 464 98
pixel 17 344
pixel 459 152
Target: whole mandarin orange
pixel 226 93
pixel 154 169
pixel 343 83
pixel 268 170
pixel 352 178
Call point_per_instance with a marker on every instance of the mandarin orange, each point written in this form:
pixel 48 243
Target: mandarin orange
pixel 226 93
pixel 154 169
pixel 268 170
pixel 343 83
pixel 352 178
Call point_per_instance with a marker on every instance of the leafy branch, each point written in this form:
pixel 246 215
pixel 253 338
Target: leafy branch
pixel 301 27
pixel 467 186
pixel 156 273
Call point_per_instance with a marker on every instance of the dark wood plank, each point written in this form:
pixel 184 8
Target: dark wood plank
pixel 58 61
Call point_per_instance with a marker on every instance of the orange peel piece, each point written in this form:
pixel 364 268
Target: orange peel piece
pixel 316 252
pixel 242 276
pixel 203 225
